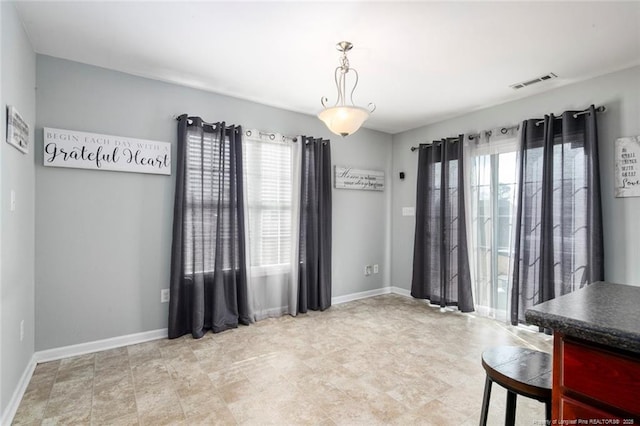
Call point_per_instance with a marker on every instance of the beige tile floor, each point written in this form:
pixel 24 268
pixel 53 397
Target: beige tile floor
pixel 383 360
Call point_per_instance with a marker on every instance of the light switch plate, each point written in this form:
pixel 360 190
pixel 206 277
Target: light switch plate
pixel 408 211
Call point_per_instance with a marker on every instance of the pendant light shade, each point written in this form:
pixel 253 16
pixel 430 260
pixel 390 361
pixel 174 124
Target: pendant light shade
pixel 343 119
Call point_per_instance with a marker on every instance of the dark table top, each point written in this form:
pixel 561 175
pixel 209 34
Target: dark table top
pixel 602 312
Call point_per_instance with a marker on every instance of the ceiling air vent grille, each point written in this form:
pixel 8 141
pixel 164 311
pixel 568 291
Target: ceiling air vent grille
pixel 533 81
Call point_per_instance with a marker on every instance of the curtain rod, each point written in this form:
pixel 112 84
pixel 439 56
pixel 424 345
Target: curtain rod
pixel 248 132
pixel 472 136
pixel 456 139
pixel 505 129
pixel 601 108
pixel 204 123
pixel 272 136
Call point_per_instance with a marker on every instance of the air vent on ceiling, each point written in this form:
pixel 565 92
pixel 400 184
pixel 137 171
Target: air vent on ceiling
pixel 533 81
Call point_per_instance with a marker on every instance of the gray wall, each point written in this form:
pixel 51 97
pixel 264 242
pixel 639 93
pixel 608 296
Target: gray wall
pixel 17 227
pixel 619 92
pixel 103 239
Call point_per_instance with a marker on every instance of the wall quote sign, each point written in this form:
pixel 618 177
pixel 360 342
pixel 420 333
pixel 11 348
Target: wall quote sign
pixel 348 178
pixel 627 158
pixel 68 148
pixel 17 130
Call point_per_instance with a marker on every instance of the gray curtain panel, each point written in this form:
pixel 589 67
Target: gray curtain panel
pixel 208 274
pixel 558 241
pixel 315 225
pixel 440 258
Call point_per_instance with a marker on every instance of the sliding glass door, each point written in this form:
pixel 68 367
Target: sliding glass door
pixel 492 189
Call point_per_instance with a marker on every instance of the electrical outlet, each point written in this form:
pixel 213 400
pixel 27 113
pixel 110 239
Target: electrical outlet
pixel 164 295
pixel 367 270
pixel 21 330
pixel 376 269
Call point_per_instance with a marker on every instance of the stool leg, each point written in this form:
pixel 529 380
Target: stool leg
pixel 510 417
pixel 485 402
pixel 547 410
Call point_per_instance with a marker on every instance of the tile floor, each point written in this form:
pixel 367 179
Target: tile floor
pixel 383 360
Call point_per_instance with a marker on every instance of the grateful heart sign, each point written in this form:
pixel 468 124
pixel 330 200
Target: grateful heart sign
pixel 69 148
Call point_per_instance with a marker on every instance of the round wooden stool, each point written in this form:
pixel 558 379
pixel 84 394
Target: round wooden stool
pixel 521 371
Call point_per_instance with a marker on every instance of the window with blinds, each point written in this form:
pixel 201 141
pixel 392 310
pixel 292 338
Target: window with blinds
pixel 208 215
pixel 268 186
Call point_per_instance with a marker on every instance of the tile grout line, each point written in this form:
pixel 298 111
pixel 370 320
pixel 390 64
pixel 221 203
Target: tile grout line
pixel 244 375
pixel 55 379
pixel 133 384
pixel 173 385
pixel 93 388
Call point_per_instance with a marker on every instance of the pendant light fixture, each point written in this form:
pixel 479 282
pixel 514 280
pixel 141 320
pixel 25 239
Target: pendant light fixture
pixel 343 119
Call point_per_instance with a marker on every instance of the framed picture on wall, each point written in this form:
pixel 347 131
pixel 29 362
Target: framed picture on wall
pixel 17 130
pixel 349 178
pixel 627 157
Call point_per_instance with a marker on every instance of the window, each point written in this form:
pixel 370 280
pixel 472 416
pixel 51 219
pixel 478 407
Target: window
pixel 268 178
pixel 208 187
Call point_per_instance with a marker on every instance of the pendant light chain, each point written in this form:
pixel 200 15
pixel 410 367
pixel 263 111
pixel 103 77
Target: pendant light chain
pixel 344 119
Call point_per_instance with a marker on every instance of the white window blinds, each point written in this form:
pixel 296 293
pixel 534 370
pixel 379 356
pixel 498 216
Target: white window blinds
pixel 208 165
pixel 268 177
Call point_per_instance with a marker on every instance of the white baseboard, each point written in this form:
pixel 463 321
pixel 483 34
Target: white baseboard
pixel 99 345
pixel 370 293
pixel 361 295
pixel 401 291
pixel 69 351
pixel 14 402
pixel 132 339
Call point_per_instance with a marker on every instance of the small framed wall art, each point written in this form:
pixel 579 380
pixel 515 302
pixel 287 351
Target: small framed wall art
pixel 627 157
pixel 17 130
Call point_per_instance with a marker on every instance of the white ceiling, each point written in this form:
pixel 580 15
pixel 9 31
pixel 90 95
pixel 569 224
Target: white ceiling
pixel 419 62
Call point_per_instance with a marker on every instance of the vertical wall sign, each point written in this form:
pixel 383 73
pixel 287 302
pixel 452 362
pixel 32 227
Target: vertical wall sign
pixel 627 157
pixel 17 130
pixel 68 148
pixel 348 178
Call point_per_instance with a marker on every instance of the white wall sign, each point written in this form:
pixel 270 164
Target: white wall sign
pixel 348 178
pixel 627 157
pixel 17 130
pixel 68 148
